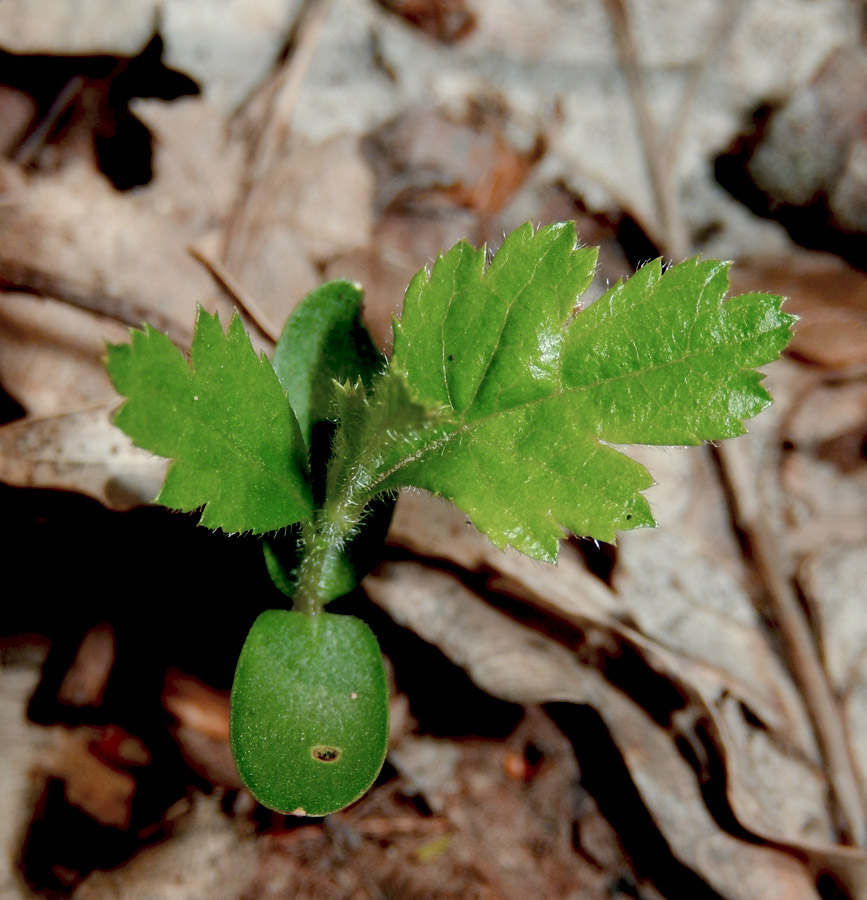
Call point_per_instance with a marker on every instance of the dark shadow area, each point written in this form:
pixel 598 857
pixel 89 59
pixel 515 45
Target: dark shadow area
pixel 10 408
pixel 605 775
pixel 443 699
pixel 812 225
pixel 599 557
pixel 175 595
pixel 635 242
pixel 96 92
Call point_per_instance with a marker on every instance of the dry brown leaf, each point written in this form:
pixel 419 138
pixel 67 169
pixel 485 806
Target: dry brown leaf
pixel 197 164
pixel 73 237
pixel 830 298
pixel 80 451
pixel 206 857
pixel 51 354
pixel 825 504
pixel 826 412
pixel 78 27
pixel 520 665
pixel 297 219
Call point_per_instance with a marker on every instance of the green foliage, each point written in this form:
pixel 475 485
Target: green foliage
pixel 309 725
pixel 533 389
pixel 223 419
pixel 324 344
pixel 502 394
pixel 324 340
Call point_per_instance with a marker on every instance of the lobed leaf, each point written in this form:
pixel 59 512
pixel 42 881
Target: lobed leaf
pixel 531 388
pixel 223 419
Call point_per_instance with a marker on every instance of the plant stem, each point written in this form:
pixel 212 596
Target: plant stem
pixel 322 543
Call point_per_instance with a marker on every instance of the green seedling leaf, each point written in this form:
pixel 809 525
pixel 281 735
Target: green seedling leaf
pixel 530 389
pixel 278 572
pixel 323 345
pixel 503 394
pixel 324 340
pixel 309 711
pixel 224 420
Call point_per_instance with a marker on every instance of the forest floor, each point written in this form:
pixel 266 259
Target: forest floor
pixel 682 715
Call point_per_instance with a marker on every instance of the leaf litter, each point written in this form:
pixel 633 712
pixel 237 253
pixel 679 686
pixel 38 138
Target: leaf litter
pixel 677 649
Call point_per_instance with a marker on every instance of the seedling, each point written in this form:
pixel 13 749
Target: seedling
pixel 502 394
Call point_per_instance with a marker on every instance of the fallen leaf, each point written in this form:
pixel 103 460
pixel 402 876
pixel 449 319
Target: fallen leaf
pixel 520 665
pixel 80 451
pixel 73 237
pixel 74 28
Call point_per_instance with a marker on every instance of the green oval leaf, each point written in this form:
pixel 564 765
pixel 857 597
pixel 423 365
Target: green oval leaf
pixel 309 719
pixel 324 340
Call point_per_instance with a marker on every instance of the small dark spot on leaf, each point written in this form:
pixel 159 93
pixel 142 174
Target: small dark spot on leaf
pixel 451 357
pixel 628 516
pixel 325 754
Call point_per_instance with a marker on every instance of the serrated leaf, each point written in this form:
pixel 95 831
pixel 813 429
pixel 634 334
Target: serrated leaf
pixel 224 421
pixel 531 389
pixel 309 711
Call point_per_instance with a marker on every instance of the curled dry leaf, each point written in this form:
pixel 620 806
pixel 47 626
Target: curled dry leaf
pixel 834 580
pixel 755 724
pixel 521 665
pixel 51 363
pixel 72 237
pixel 80 451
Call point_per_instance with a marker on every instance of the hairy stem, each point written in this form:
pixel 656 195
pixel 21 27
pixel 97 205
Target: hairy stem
pixel 322 543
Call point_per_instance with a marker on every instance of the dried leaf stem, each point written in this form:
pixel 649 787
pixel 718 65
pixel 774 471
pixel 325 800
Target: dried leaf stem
pixel 660 166
pixel 763 534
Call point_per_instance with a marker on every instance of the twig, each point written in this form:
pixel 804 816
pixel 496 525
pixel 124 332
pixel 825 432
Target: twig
pixel 26 153
pixel 729 15
pixel 227 283
pixel 765 541
pixel 660 167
